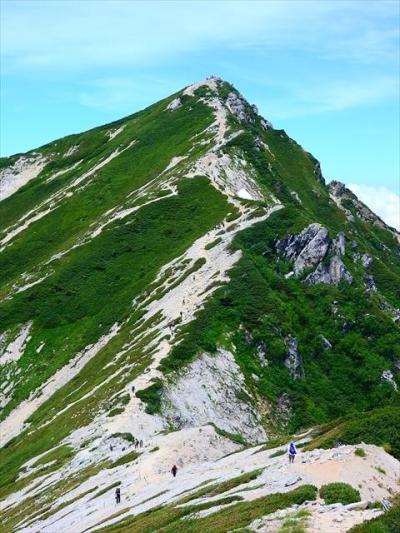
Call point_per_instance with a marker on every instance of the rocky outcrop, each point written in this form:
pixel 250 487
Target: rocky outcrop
pixel 351 205
pixel 387 376
pixel 261 349
pixel 326 345
pixel 370 282
pixel 294 361
pixel 318 172
pixel 283 409
pixel 174 104
pixel 313 248
pixel 209 391
pixel 330 274
pixel 366 260
pixel 306 249
pixel 239 107
pixel 265 124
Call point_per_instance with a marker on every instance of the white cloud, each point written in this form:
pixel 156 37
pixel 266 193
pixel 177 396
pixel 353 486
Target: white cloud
pixel 382 201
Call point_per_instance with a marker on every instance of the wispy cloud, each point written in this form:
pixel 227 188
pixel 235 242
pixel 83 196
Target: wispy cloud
pixel 70 35
pixel 297 99
pixel 381 200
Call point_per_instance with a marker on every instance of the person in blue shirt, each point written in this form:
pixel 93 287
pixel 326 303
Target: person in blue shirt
pixel 292 451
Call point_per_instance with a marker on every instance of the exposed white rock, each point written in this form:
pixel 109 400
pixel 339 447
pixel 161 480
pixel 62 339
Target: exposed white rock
pixel 294 361
pixel 339 244
pixel 14 423
pixel 20 173
pixel 326 344
pixel 366 260
pixel 239 108
pixel 211 83
pixel 174 104
pixel 15 349
pixel 111 134
pixel 387 376
pixel 310 249
pixel 331 274
pixel 71 150
pixel 306 249
pixel 55 200
pixel 208 391
pixel 370 283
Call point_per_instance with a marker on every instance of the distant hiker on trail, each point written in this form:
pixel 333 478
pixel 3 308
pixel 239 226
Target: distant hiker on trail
pixel 292 451
pixel 118 495
pixel 174 470
pixel 141 443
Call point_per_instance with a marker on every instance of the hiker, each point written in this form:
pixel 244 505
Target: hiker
pixel 174 470
pixel 118 495
pixel 141 443
pixel 292 451
pixel 136 443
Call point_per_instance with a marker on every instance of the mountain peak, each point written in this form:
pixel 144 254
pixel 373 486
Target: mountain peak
pixel 177 286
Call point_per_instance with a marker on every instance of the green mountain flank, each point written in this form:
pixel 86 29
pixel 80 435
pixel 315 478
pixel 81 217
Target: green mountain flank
pixel 186 278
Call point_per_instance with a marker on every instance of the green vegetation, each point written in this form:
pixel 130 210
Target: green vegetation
pixel 152 397
pixel 220 488
pixel 127 458
pixel 234 437
pixel 278 453
pixel 296 523
pixel 259 303
pixel 91 284
pixel 339 493
pixel 380 427
pixel 360 452
pixel 60 454
pixel 169 518
pixel 212 244
pixel 106 489
pixel 127 436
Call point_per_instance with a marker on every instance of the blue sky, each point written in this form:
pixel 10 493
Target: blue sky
pixel 325 71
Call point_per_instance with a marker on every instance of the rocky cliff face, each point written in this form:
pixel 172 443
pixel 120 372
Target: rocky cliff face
pixel 175 285
pixel 313 249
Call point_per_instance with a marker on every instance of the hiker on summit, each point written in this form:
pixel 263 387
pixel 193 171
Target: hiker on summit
pixel 292 451
pixel 174 470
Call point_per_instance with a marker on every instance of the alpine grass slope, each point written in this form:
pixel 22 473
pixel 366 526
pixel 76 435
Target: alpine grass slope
pixel 185 277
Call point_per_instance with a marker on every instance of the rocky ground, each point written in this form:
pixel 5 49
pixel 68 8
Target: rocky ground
pixel 147 483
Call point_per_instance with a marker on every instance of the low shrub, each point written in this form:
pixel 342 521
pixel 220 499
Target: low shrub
pixel 339 493
pixel 359 452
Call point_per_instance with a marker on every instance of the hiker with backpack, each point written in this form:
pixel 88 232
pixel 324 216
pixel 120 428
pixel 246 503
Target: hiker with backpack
pixel 292 451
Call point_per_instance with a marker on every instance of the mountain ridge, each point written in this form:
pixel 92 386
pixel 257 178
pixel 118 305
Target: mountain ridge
pixel 183 270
